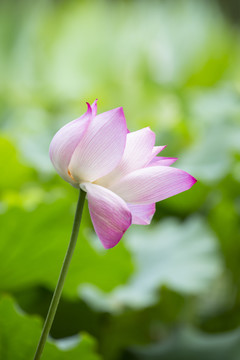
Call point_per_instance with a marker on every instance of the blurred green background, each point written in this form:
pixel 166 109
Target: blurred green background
pixel 170 290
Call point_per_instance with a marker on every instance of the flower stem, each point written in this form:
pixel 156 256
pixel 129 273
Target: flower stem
pixel 58 291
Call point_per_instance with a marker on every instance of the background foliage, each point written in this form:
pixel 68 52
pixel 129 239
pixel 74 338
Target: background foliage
pixel 167 291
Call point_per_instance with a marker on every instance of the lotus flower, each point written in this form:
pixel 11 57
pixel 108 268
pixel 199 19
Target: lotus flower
pixel 119 170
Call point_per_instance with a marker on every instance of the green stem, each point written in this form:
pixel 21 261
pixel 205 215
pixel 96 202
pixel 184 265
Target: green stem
pixel 58 291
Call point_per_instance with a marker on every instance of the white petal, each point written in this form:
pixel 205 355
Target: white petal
pixel 110 214
pixel 162 161
pixel 152 184
pixel 157 149
pixel 102 147
pixel 137 153
pixel 65 142
pixel 142 214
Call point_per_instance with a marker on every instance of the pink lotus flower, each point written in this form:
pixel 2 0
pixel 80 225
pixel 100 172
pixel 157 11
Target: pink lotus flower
pixel 118 169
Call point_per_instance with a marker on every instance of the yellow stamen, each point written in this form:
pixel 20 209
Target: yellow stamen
pixel 69 173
